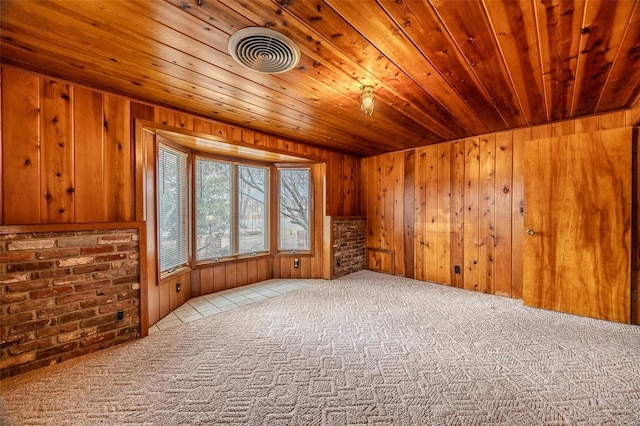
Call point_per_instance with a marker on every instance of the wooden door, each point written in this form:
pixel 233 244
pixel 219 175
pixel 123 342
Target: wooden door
pixel 577 246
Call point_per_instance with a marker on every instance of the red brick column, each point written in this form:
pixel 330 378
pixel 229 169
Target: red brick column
pixel 348 246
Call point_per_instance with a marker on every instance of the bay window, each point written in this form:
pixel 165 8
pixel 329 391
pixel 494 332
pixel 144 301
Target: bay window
pixel 211 209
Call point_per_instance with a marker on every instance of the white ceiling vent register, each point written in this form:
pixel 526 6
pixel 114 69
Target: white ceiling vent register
pixel 263 50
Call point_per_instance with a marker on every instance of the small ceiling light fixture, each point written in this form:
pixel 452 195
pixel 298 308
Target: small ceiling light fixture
pixel 366 100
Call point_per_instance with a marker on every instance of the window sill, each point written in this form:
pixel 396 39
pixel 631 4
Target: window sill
pixel 292 254
pixel 179 271
pixel 229 259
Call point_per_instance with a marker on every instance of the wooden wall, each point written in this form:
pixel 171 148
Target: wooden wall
pixel 69 155
pixel 460 203
pixel 72 149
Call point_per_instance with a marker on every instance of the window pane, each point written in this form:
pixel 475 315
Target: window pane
pixel 213 209
pixel 294 209
pixel 252 209
pixel 172 208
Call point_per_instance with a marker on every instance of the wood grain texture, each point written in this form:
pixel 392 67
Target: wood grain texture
pixel 471 215
pixel 20 147
pixel 443 243
pixel 56 150
pixel 429 155
pixel 486 215
pixel 118 161
pixel 90 202
pixel 441 70
pixel 503 210
pixel 635 227
pixel 579 262
pixel 409 213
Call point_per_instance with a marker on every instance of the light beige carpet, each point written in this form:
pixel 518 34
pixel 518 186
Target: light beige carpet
pixel 366 349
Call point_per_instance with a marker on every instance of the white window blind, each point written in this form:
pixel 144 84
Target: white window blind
pixel 173 208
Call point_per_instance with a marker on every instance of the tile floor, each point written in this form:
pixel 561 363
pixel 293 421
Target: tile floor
pixel 210 304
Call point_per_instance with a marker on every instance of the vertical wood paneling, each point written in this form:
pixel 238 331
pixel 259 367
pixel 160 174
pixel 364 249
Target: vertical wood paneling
pixel 118 161
pixel 173 295
pixel 286 265
pixel 486 215
pixel 398 213
pixel 196 290
pixel 21 147
pixel 1 162
pixel 88 162
pixel 252 271
pixel 164 305
pixel 635 230
pixel 503 206
pixel 241 273
pixel 443 221
pixel 230 275
pixel 420 205
pixel 202 126
pixel 165 117
pixel 265 269
pixel 517 211
pixel 56 148
pixel 207 280
pixel 219 278
pixel 430 225
pixel 185 293
pixel 387 163
pixel 409 212
pixel 471 214
pixel 305 268
pixel 457 212
pixel 138 112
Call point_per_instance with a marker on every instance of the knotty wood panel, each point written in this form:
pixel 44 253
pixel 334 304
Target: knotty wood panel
pixel 471 215
pixel 579 261
pixel 635 226
pixel 20 145
pixel 409 213
pixel 443 221
pixel 517 211
pixel 497 189
pixel 56 150
pixel 428 176
pixel 486 215
pixel 420 208
pixel 88 154
pixel 118 159
pixel 107 172
pixel 457 213
pixel 503 205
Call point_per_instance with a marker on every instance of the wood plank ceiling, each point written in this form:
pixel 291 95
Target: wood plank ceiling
pixel 441 70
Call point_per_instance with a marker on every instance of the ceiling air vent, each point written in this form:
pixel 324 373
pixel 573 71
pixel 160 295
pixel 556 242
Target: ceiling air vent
pixel 263 50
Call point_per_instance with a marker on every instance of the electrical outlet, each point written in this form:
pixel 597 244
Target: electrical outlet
pixel 178 286
pixel 296 263
pixel 456 269
pixel 119 315
pixel 337 262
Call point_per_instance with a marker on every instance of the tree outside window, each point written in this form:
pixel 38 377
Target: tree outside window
pixel 294 211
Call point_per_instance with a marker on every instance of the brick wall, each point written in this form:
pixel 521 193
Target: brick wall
pixel 61 295
pixel 348 246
